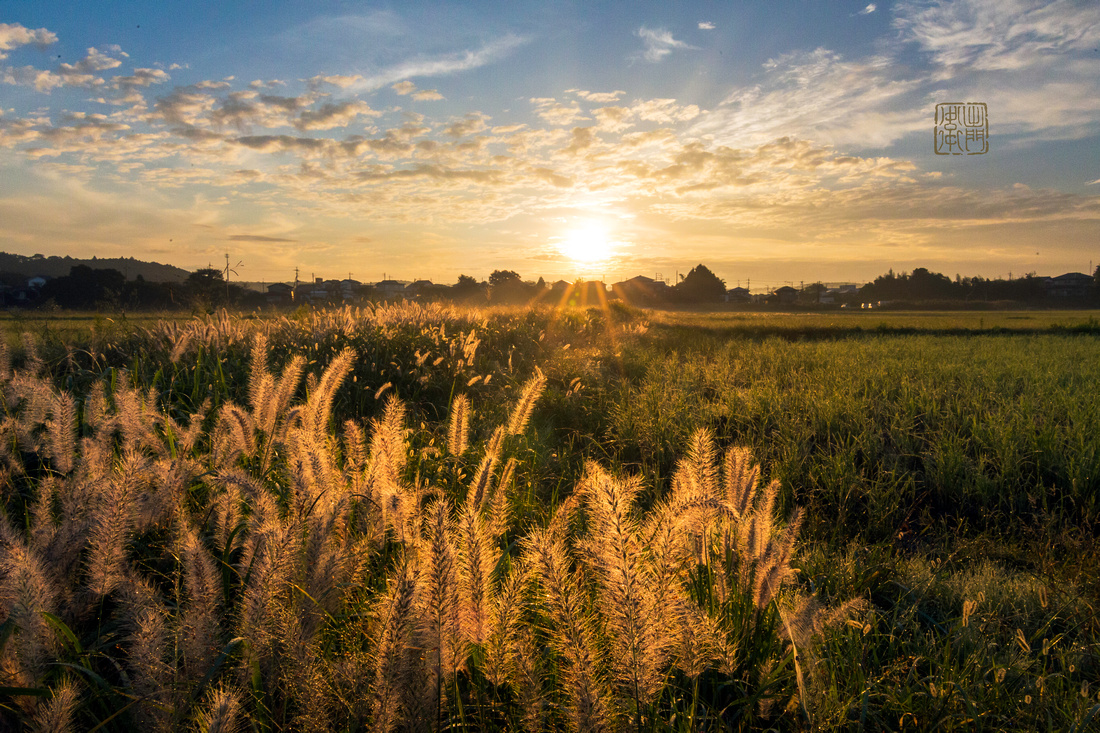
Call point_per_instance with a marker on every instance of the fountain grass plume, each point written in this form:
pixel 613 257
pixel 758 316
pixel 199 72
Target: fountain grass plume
pixel 393 665
pixel 570 630
pixel 459 427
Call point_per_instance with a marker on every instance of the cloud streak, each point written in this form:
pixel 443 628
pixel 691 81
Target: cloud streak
pixel 659 44
pixel 441 65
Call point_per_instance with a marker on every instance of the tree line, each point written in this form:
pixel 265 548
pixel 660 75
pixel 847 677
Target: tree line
pixel 87 288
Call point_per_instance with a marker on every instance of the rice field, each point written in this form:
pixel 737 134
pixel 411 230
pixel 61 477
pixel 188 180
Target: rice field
pixel 424 518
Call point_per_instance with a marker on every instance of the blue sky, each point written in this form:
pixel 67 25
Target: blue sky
pixel 786 140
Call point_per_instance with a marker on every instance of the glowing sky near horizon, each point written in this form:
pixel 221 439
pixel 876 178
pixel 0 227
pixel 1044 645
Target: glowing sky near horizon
pixel 774 141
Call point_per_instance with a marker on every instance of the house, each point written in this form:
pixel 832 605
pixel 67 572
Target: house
pixel 417 288
pixel 1070 285
pixel 640 290
pixel 280 294
pixel 738 295
pixel 322 290
pixel 785 295
pixel 350 289
pixel 390 289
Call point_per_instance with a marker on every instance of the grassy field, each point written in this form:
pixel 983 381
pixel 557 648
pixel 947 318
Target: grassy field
pixel 421 518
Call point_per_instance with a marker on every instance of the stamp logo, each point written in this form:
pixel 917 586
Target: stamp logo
pixel 962 128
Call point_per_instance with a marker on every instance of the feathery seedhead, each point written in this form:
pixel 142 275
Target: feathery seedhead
pixel 521 413
pixel 220 712
pixel 458 430
pixel 56 714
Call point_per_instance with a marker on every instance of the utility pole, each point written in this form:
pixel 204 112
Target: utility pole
pixel 229 270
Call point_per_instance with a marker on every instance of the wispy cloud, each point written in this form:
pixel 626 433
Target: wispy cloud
pixel 820 96
pixel 871 7
pixel 706 25
pixel 659 43
pixel 1034 62
pixel 257 238
pixel 442 65
pixel 996 35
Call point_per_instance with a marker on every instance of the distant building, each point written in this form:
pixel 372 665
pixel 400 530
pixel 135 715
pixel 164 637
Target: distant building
pixel 738 295
pixel 640 290
pixel 417 288
pixel 350 289
pixel 322 290
pixel 390 289
pixel 280 294
pixel 785 295
pixel 1070 285
pixel 558 289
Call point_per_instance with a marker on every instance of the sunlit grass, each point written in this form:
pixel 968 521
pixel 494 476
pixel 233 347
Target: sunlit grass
pixel 948 468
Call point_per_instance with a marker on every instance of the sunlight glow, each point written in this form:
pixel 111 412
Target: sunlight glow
pixel 586 245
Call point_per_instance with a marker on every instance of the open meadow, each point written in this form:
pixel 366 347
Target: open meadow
pixel 425 518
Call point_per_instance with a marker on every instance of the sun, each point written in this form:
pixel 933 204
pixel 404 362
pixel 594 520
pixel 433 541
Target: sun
pixel 586 245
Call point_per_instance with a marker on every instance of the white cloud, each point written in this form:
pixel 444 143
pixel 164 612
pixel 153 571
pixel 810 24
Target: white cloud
pixel 407 88
pixel 556 113
pixel 94 62
pixel 42 80
pixel 820 96
pixel 14 35
pixel 1034 63
pixel 664 111
pixel 81 74
pixel 335 80
pixel 141 78
pixel 659 43
pixel 598 97
pixel 330 115
pixel 442 65
pixel 470 124
pixel 706 25
pixel 1001 34
pixel 871 7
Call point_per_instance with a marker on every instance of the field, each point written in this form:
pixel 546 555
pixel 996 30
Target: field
pixel 422 518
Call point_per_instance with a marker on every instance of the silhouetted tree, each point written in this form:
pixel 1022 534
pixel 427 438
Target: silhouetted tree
pixel 84 287
pixel 701 286
pixel 501 278
pixel 507 286
pixel 467 289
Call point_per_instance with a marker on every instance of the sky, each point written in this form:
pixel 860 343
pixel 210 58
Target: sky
pixel 775 141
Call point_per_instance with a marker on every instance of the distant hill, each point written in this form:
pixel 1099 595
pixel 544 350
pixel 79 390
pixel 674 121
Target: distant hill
pixel 39 266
